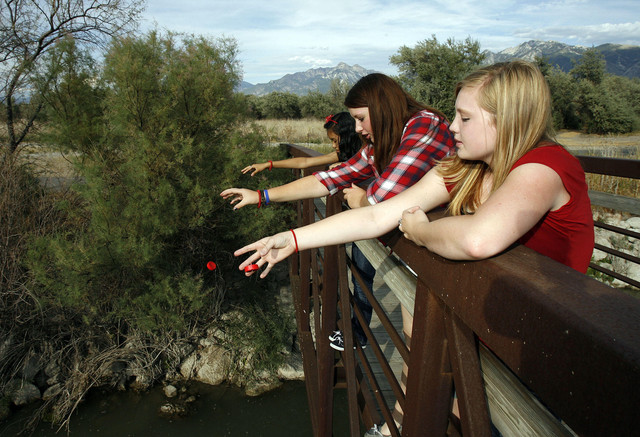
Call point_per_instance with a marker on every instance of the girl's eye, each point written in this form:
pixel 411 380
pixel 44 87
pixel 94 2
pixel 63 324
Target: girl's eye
pixel 465 119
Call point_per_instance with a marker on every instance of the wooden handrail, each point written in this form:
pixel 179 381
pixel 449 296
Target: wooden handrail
pixel 568 338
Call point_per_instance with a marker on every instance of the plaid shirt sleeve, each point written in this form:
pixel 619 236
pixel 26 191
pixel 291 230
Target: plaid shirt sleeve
pixel 426 139
pixel 357 168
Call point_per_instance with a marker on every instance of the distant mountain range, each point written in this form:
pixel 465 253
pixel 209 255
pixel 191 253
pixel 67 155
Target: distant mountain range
pixel 622 60
pixel 315 79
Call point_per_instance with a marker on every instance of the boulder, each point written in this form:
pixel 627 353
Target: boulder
pixel 292 369
pixel 170 391
pixel 209 365
pixel 214 365
pixel 51 392
pixel 256 388
pixel 22 392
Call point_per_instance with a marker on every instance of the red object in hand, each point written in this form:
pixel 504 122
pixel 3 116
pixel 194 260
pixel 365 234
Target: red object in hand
pixel 211 265
pixel 251 267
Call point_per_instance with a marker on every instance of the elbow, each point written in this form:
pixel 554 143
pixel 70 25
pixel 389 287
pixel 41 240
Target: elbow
pixel 478 247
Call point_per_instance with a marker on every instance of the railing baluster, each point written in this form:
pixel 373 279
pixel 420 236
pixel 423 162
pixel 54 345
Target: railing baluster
pixel 467 376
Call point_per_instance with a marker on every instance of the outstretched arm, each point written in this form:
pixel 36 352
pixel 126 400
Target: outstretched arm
pixel 307 187
pixel 352 225
pixel 299 162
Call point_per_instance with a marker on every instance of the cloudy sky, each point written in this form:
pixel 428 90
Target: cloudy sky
pixel 278 37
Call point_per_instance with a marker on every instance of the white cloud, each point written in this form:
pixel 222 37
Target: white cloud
pixel 285 36
pixel 622 33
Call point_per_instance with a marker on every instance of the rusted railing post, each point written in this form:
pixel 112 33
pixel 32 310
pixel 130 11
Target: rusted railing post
pixel 326 355
pixel 429 388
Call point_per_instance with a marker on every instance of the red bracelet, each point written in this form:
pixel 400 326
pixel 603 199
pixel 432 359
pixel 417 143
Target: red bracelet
pixel 259 199
pixel 270 165
pixel 295 239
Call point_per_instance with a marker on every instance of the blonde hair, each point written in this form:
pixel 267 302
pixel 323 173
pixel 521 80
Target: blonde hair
pixel 517 96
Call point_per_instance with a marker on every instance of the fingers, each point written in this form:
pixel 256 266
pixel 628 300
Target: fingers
pixel 255 167
pixel 239 197
pixel 230 192
pixel 259 256
pixel 266 271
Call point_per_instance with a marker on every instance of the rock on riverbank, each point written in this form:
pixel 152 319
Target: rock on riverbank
pixel 208 361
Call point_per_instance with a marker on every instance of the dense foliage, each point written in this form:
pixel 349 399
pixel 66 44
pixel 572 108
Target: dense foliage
pixel 430 70
pixel 153 160
pixel 280 105
pixel 120 259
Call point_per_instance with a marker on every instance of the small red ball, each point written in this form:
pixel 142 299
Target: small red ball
pixel 211 265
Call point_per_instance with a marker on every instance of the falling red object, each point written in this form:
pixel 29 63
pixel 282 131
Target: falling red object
pixel 211 265
pixel 251 267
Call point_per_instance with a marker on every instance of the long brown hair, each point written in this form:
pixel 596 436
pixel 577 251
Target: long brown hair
pixel 517 96
pixel 390 108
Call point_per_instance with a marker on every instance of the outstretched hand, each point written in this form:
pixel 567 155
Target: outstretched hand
pixel 269 251
pixel 257 168
pixel 241 197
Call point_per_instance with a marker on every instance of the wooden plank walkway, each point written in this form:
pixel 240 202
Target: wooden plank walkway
pixel 392 307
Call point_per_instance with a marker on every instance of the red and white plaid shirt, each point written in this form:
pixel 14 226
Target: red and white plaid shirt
pixel 425 139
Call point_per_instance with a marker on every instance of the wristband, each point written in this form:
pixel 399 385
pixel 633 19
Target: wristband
pixel 270 165
pixel 266 197
pixel 259 199
pixel 295 239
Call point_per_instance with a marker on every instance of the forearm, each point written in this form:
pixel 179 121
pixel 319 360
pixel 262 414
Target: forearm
pixel 290 163
pixel 306 162
pixel 307 187
pixel 447 236
pixel 351 225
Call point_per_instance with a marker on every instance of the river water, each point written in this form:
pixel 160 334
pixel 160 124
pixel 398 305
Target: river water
pixel 217 411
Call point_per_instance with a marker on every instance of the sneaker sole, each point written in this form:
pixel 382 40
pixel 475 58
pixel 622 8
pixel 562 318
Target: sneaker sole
pixel 338 348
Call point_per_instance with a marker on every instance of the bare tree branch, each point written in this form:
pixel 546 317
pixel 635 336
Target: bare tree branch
pixel 29 28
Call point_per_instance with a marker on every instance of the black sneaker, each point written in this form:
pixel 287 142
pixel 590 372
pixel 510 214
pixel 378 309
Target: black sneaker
pixel 338 341
pixel 334 335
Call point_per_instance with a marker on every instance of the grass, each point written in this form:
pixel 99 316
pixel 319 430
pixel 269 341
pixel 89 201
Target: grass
pixel 307 131
pixel 311 133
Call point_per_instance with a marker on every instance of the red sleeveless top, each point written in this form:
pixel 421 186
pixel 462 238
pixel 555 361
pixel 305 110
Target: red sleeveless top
pixel 565 235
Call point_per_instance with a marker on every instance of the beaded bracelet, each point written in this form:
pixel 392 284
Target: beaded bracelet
pixel 266 197
pixel 259 199
pixel 270 165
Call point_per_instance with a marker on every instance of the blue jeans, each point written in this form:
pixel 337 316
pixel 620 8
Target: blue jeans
pixel 367 272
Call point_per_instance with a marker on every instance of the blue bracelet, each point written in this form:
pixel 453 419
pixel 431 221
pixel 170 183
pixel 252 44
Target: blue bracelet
pixel 266 197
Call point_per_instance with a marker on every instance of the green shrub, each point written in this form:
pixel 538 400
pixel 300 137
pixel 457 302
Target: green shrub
pixel 151 215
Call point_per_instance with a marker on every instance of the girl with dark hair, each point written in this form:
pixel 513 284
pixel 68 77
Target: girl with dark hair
pixel 344 140
pixel 403 140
